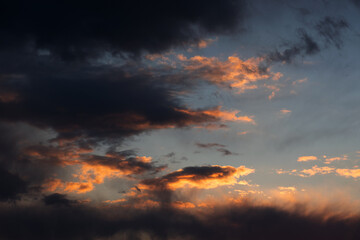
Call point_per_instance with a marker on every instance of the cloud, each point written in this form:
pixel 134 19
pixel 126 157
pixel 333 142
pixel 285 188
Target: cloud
pixel 219 147
pixel 217 114
pixel 58 200
pixel 83 105
pixel 283 113
pixel 92 169
pixel 124 105
pixel 300 81
pixel 91 29
pixel 209 145
pixel 356 2
pixel 233 72
pixel 316 170
pixel 330 29
pixel 308 172
pixel 306 46
pixel 203 177
pixel 12 183
pixel 330 160
pixel 45 222
pixel 307 158
pixel 329 32
pixel 226 152
pixel 354 173
pixel 11 186
pixel 291 189
pixel 54 185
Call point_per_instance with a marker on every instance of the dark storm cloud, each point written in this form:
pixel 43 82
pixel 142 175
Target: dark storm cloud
pixel 94 103
pixel 11 186
pixel 246 222
pixel 328 32
pixel 58 199
pixel 82 29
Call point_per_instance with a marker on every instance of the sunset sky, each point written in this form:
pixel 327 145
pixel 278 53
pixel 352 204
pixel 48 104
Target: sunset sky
pixel 231 119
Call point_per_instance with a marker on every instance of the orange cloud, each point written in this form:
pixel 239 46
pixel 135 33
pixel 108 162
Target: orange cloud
pixel 308 172
pixel 284 112
pixel 307 158
pixel 67 154
pixel 94 169
pixel 234 72
pixel 182 205
pixel 115 201
pixel 316 170
pixel 78 187
pixel 95 172
pixel 203 43
pixel 243 133
pixel 87 176
pixel 229 115
pixel 355 173
pixel 53 185
pixel 330 160
pixel 217 114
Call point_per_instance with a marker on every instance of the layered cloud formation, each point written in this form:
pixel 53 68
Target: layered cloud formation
pixel 83 84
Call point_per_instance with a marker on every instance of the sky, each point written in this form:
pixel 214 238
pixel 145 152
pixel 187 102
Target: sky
pixel 231 119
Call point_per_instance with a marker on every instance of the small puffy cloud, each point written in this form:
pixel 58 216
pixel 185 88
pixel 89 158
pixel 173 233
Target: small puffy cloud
pixel 307 158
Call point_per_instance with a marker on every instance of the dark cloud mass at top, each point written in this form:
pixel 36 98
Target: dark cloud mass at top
pixel 82 29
